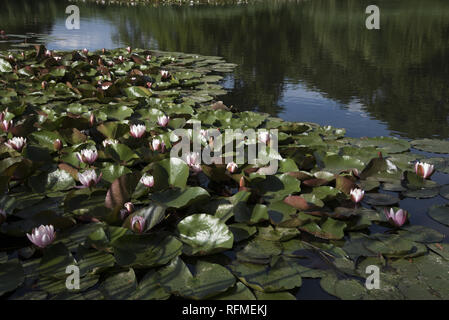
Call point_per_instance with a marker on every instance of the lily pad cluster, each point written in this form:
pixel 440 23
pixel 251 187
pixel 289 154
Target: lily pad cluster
pixel 94 162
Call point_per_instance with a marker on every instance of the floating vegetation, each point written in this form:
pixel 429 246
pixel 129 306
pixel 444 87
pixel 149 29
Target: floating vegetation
pixel 87 180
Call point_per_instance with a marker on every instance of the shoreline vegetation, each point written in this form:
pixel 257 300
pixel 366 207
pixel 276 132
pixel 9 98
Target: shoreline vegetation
pixel 85 157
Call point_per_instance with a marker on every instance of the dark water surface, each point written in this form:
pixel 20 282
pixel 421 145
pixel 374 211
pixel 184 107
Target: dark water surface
pixel 300 60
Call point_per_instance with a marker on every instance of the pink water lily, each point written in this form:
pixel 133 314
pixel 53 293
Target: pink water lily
pixel 397 218
pixel 42 236
pixel 357 195
pixel 423 169
pixel 147 181
pixel 148 58
pixel 16 143
pixel 137 131
pixel 85 51
pixel 5 125
pixel 232 167
pixel 88 156
pixel 48 53
pixel 138 224
pixel 89 178
pixel 128 49
pixel 163 121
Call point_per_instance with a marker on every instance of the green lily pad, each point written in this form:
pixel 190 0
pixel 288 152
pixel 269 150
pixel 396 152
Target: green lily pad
pixel 204 234
pixel 431 145
pixel 440 213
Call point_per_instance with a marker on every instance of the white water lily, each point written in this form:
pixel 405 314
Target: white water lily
pixel 5 125
pixel 163 121
pixel 89 178
pixel 164 74
pixel 87 156
pixel 16 143
pixel 109 142
pixel 264 137
pixel 357 195
pixel 423 169
pixel 42 236
pixel 137 131
pixel 232 167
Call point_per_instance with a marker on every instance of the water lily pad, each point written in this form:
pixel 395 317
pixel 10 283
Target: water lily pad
pixel 120 286
pixel 206 280
pixel 178 198
pixel 380 199
pixel 204 234
pixel 431 145
pixel 440 213
pixel 11 276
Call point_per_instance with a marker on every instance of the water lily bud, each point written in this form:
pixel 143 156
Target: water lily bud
pixel 6 125
pixel 149 84
pixel 129 207
pixel 88 156
pixel 42 236
pixel 48 53
pixel 156 144
pixel 57 144
pixel 397 218
pixel 128 49
pixel 92 119
pixel 192 160
pixel 138 224
pixel 148 58
pixel 89 178
pixel 357 195
pixel 85 51
pixel 232 167
pixel 103 50
pixel 44 85
pixel 424 170
pixel 147 181
pixel 137 131
pixel 163 121
pixel 242 182
pixel 120 58
pixel 16 143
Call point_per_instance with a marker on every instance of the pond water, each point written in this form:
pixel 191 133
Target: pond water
pixel 299 60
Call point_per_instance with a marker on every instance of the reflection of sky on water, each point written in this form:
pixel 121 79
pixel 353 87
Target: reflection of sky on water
pixel 94 34
pixel 311 106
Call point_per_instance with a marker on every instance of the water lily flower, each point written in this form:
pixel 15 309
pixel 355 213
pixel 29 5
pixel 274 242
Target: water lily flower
pixel 264 137
pixel 137 131
pixel 57 144
pixel 85 51
pixel 87 156
pixel 232 167
pixel 16 143
pixel 5 125
pixel 397 218
pixel 148 58
pixel 423 169
pixel 149 85
pixel 128 49
pixel 48 53
pixel 156 144
pixel 109 142
pixel 138 224
pixel 164 74
pixel 147 181
pixel 357 195
pixel 44 84
pixel 163 121
pixel 3 115
pixel 89 178
pixel 121 59
pixel 42 236
pixel 192 161
pixel 92 119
